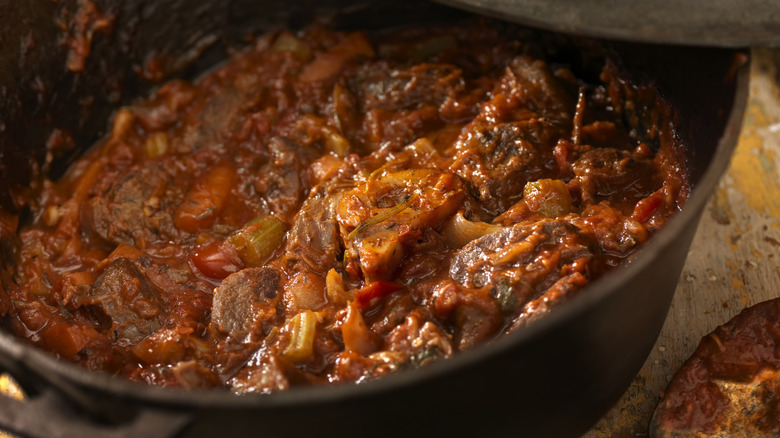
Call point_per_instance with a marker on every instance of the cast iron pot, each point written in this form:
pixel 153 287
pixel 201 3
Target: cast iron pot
pixel 554 378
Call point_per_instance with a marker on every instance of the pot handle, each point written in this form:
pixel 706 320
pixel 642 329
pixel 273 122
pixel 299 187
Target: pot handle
pixel 49 415
pixel 54 407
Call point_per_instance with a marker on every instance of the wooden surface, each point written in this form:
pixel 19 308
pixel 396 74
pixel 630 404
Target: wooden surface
pixel 734 260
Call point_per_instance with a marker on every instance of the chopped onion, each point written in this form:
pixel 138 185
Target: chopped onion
pixel 548 197
pixel 287 42
pixel 459 231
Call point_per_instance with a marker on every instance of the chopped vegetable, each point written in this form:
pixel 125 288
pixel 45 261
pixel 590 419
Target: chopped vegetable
pixel 303 327
pixel 205 200
pixel 287 42
pixel 365 296
pixel 459 231
pixel 334 287
pixel 385 214
pixel 328 64
pixel 258 240
pixel 212 262
pixel 548 197
pixel 335 142
pixel 423 149
pixel 156 145
pixel 357 336
pixel 123 119
pixel 344 108
pixel 645 208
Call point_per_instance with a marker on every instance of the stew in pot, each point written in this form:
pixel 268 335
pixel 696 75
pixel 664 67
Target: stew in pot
pixel 333 207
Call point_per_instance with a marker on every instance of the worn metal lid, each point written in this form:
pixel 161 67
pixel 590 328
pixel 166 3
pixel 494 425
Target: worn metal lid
pixel 723 23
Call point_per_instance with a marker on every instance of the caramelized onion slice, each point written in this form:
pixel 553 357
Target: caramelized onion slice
pixel 459 231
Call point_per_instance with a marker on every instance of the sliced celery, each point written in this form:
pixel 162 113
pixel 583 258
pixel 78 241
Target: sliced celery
pixel 257 241
pixel 303 328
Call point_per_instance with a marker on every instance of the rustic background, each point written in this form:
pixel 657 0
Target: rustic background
pixel 734 261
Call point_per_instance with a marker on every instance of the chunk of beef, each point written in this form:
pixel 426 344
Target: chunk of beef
pixel 539 90
pixel 313 241
pixel 385 87
pixel 244 302
pixel 559 292
pixel 214 122
pixel 615 232
pixel 266 373
pixel 520 263
pixel 129 306
pixel 475 314
pixel 500 159
pixel 280 180
pixel 134 210
pixel 420 342
pixel 191 374
pixel 313 248
pixel 619 174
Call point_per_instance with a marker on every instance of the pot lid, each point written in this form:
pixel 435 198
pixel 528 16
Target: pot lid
pixel 724 23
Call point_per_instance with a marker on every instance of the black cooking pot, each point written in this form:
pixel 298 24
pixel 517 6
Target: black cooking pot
pixel 554 378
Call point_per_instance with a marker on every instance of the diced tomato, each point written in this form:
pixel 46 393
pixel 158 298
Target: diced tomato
pixel 645 207
pixel 213 262
pixel 375 290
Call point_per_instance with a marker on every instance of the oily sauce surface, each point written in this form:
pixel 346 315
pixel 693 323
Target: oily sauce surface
pixel 332 207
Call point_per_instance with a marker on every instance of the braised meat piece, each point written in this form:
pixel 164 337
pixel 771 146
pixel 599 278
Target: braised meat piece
pixel 125 299
pixel 499 159
pixel 244 300
pixel 533 85
pixel 137 209
pixel 313 242
pixel 606 173
pixel 281 179
pixel 520 262
pixel 388 88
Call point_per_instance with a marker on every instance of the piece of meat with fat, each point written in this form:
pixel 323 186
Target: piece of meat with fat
pixel 521 262
pixel 419 340
pixel 499 159
pixel 562 290
pixel 245 302
pixel 385 87
pixel 135 210
pixel 532 84
pixel 126 304
pixel 313 241
pixel 605 172
pixel 267 373
pixel 313 248
pixel 474 314
pixel 279 180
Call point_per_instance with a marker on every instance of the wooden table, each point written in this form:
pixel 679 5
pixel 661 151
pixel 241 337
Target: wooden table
pixel 734 261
